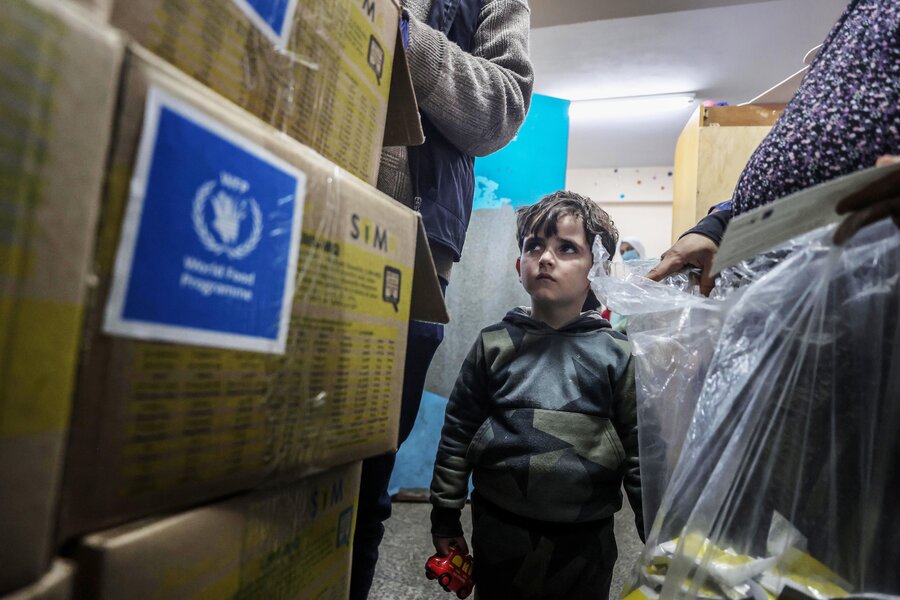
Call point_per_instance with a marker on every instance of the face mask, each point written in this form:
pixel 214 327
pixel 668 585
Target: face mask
pixel 630 255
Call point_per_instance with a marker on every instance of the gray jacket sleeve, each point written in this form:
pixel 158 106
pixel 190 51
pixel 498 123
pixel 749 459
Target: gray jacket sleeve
pixel 466 411
pixel 478 100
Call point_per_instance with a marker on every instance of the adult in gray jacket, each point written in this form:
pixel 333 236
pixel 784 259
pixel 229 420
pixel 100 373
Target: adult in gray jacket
pixel 473 80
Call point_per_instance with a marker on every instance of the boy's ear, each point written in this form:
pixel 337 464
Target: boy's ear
pixel 519 267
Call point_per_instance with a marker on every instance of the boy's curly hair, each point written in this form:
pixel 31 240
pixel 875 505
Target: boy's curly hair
pixel 543 215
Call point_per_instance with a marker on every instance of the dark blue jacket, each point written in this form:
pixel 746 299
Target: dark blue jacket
pixel 443 177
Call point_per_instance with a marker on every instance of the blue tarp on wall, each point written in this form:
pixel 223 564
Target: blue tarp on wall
pixel 531 166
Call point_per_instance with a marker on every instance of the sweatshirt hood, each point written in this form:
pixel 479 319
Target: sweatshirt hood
pixel 587 321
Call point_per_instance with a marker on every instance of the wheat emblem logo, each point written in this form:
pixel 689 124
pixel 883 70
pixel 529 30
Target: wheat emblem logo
pixel 228 214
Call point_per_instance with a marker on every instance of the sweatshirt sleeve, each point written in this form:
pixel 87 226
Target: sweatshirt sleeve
pixel 714 224
pixel 478 100
pixel 627 427
pixel 466 411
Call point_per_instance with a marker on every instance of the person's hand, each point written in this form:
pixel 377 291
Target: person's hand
pixel 443 544
pixel 872 203
pixel 691 250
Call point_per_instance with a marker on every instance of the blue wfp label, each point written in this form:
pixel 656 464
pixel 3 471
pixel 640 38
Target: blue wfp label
pixel 210 239
pixel 273 17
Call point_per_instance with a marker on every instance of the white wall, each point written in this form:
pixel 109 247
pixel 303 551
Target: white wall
pixel 639 200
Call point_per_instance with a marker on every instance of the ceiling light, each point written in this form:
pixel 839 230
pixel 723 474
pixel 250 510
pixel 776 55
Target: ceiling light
pixel 629 106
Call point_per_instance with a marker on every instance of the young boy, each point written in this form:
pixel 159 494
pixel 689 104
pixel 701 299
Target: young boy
pixel 543 415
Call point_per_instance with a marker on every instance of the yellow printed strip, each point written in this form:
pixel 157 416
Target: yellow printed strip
pixel 369 54
pixel 296 564
pixel 345 277
pixel 15 261
pixel 37 365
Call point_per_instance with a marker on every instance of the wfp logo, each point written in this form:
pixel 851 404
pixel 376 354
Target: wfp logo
pixel 220 229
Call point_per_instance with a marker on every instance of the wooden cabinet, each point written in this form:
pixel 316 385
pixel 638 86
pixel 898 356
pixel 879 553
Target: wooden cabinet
pixel 710 154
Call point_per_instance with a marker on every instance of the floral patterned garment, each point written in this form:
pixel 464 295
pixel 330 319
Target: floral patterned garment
pixel 844 116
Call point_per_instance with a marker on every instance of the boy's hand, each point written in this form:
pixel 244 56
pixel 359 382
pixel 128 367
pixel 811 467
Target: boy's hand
pixel 443 544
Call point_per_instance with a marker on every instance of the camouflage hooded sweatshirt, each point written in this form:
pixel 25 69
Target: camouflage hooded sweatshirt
pixel 545 421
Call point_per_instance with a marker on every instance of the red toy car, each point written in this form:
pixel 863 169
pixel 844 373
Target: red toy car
pixel 453 572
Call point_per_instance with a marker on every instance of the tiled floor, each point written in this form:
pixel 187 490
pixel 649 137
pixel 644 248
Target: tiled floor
pixel 407 545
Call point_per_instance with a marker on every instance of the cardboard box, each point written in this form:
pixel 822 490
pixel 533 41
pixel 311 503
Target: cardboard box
pixel 58 74
pixel 252 386
pixel 292 542
pixel 56 584
pixel 319 71
pixel 712 150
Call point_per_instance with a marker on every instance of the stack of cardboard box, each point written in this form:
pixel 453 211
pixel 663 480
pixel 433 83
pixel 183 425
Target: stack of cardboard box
pixel 193 302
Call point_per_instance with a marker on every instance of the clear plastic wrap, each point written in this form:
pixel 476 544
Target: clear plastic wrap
pixel 673 331
pixel 673 351
pixel 787 478
pixel 623 288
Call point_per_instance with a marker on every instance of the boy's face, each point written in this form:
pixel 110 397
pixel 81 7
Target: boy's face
pixel 554 270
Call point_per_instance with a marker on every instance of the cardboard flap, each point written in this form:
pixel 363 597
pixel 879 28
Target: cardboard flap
pixel 403 126
pixel 768 226
pixel 427 299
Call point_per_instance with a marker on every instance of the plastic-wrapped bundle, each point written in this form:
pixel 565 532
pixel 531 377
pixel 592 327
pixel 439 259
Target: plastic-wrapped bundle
pixel 673 331
pixel 672 351
pixel 787 480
